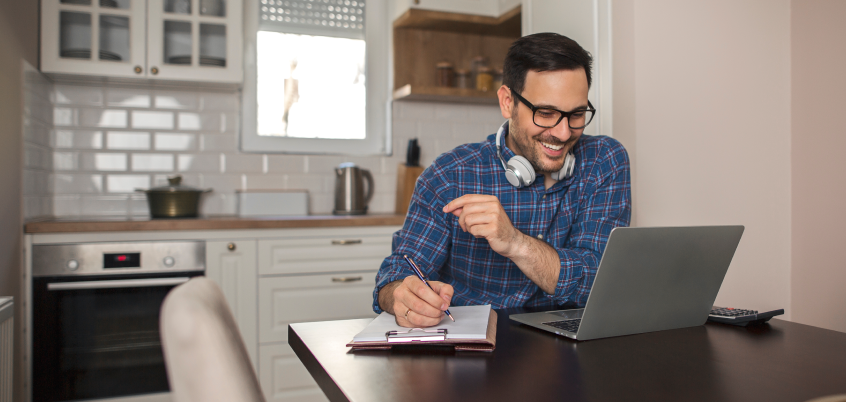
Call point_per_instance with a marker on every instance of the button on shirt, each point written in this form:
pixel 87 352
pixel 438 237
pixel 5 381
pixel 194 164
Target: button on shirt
pixel 575 216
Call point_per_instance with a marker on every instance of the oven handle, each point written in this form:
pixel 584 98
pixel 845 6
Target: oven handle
pixel 126 283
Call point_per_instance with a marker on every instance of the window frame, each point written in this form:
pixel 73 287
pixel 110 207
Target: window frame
pixel 377 78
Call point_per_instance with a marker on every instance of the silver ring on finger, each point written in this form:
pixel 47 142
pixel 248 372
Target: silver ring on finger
pixel 406 313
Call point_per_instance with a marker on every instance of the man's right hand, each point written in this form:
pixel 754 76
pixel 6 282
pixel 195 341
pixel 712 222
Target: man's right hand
pixel 412 302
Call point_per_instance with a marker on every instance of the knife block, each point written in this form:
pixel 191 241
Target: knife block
pixel 406 179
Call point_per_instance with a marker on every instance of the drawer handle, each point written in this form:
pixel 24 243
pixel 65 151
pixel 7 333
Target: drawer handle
pixel 347 279
pixel 345 242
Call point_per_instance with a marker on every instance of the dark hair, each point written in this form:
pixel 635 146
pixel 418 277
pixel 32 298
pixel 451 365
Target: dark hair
pixel 543 52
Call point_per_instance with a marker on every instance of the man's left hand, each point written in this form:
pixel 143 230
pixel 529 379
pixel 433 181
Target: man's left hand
pixel 483 216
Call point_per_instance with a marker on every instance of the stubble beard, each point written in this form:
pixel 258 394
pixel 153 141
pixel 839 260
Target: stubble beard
pixel 528 147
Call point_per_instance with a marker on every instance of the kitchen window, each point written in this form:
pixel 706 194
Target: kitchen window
pixel 316 77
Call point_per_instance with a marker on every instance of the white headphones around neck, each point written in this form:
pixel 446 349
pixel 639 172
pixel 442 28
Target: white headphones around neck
pixel 518 170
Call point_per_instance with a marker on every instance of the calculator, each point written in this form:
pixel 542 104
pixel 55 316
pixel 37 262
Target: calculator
pixel 741 317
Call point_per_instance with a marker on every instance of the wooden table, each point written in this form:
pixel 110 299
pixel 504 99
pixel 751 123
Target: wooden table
pixel 780 361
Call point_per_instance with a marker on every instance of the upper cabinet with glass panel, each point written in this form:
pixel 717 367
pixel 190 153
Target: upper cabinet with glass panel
pixel 185 40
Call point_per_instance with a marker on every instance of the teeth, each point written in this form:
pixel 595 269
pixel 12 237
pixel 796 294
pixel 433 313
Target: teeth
pixel 552 147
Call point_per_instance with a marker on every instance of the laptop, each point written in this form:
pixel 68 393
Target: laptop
pixel 649 279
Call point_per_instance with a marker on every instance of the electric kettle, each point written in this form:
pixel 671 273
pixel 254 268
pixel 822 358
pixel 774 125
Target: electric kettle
pixel 350 198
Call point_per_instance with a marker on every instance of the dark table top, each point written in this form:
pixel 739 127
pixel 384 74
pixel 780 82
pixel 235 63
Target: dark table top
pixel 779 361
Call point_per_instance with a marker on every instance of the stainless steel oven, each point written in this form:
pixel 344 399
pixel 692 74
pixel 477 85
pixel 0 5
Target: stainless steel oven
pixel 96 316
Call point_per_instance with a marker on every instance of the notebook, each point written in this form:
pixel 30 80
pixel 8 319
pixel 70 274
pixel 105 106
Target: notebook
pixel 474 329
pixel 649 279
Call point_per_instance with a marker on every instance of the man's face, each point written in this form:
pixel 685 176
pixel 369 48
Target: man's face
pixel 545 148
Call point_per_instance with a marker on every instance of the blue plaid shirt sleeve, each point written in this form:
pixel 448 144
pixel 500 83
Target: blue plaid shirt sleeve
pixel 605 205
pixel 425 235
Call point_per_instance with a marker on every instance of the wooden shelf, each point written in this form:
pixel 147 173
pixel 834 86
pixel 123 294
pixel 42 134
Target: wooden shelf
pixel 422 38
pixel 507 25
pixel 444 94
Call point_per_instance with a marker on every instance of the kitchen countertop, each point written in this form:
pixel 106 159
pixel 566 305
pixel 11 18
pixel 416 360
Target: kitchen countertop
pixel 125 224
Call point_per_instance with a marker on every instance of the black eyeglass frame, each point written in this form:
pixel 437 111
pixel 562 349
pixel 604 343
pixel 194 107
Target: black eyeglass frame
pixel 564 114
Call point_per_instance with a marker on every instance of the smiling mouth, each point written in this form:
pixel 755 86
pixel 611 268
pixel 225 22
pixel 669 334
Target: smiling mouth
pixel 552 147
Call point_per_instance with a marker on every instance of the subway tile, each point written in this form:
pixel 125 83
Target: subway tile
pixel 37 134
pixel 406 129
pixel 199 121
pixel 128 97
pixel 175 142
pixel 267 182
pixel 176 100
pixel 416 110
pixel 389 164
pixel 198 163
pixel 321 204
pixel 243 163
pixel 78 139
pixel 426 130
pixel 67 205
pixel 152 120
pixel 152 162
pixel 103 162
pixel 127 140
pixel 222 183
pixel 36 182
pixel 230 122
pixel 65 161
pixel 37 207
pixel 473 132
pixel 65 116
pixel 285 164
pixel 220 101
pixel 78 95
pixel 127 183
pixel 62 139
pixel 67 183
pixel 450 112
pixel 382 203
pixel 109 118
pixel 108 205
pixel 371 163
pixel 315 184
pixel 484 114
pixel 324 164
pixel 37 157
pixel 218 204
pixel 219 142
pixel 383 183
pixel 447 144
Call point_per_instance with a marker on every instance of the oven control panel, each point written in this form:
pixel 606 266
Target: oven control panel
pixel 113 258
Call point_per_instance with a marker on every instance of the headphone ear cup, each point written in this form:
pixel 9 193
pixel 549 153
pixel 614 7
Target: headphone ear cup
pixel 566 170
pixel 521 170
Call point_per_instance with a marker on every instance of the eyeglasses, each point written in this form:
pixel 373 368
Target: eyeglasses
pixel 549 118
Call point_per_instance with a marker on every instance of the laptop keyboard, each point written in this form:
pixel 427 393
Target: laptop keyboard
pixel 567 325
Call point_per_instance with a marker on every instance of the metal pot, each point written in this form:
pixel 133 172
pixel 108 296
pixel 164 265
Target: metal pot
pixel 174 200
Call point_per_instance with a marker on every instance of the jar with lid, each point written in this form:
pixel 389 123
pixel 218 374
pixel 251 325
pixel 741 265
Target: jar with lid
pixel 444 74
pixel 478 62
pixel 484 79
pixel 497 79
pixel 462 79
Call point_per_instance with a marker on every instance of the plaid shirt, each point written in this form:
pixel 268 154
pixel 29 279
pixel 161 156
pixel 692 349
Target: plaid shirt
pixel 575 217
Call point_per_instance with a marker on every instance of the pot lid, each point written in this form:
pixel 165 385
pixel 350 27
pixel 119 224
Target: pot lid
pixel 175 185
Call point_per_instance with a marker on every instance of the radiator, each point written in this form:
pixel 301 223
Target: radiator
pixel 7 322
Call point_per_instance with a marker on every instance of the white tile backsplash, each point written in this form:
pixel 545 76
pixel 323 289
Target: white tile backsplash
pixel 196 133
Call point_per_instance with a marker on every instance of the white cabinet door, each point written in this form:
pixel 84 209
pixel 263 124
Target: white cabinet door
pixel 589 24
pixel 284 378
pixel 290 299
pixel 93 37
pixel 195 40
pixel 232 264
pixel 325 254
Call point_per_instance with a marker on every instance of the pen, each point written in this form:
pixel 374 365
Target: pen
pixel 420 275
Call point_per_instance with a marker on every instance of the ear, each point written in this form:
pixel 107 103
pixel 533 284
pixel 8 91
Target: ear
pixel 506 102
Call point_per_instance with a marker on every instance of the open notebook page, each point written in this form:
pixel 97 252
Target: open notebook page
pixel 471 322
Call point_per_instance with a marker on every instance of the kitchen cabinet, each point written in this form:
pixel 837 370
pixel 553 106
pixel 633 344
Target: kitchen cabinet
pixel 232 265
pixel 489 8
pixel 284 378
pixel 175 40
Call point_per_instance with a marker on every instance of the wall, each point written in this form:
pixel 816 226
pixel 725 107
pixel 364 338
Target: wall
pixel 709 128
pixel 110 139
pixel 818 176
pixel 18 44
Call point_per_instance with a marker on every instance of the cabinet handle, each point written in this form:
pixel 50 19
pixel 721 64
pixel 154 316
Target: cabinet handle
pixel 154 70
pixel 138 69
pixel 347 279
pixel 345 242
pixel 231 247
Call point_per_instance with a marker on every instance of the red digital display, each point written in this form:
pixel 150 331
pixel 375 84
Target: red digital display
pixel 121 258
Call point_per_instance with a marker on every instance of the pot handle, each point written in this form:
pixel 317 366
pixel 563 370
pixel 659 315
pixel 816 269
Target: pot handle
pixel 369 179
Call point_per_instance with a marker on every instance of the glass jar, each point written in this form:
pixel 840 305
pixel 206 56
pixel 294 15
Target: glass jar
pixel 462 79
pixel 484 79
pixel 444 74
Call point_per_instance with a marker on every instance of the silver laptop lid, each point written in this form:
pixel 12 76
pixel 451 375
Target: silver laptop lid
pixel 652 279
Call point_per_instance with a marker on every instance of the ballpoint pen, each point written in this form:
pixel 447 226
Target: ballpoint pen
pixel 420 275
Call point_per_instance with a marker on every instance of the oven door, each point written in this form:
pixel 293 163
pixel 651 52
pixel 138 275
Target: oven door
pixel 98 336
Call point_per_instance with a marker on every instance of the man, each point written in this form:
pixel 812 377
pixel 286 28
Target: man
pixel 482 240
